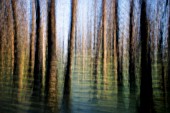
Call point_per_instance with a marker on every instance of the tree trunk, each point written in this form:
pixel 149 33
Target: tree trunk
pixel 169 48
pixel 146 98
pixel 6 39
pixel 51 77
pixel 131 48
pixel 21 27
pixel 67 80
pixel 38 53
pixel 97 51
pixel 70 48
pixel 95 16
pixel 33 37
pixel 168 81
pixel 115 31
pixel 104 19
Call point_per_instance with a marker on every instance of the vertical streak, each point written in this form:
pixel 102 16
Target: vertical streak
pixel 104 37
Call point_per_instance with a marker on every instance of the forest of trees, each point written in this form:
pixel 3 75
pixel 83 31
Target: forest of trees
pixel 133 45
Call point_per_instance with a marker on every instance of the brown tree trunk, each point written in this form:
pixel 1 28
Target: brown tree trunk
pixel 67 80
pixel 70 48
pixel 41 33
pixel 6 39
pixel 95 16
pixel 104 19
pixel 32 38
pixel 21 27
pixel 51 77
pixel 115 31
pixel 15 41
pixel 97 51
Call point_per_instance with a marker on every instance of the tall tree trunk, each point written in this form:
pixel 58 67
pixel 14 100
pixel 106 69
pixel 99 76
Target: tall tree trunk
pixel 67 80
pixel 161 53
pixel 32 38
pixel 169 47
pixel 118 43
pixel 41 33
pixel 21 26
pixel 104 19
pixel 38 53
pixel 95 16
pixel 168 100
pixel 146 98
pixel 51 77
pixel 15 41
pixel 115 31
pixel 70 48
pixel 6 40
pixel 131 48
pixel 98 39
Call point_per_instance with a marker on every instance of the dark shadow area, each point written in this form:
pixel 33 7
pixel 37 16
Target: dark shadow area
pixel 146 91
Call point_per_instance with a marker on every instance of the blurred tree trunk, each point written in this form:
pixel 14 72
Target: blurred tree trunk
pixel 21 36
pixel 51 77
pixel 146 98
pixel 120 59
pixel 40 46
pixel 32 38
pixel 118 43
pixel 68 70
pixel 6 41
pixel 39 52
pixel 168 100
pixel 131 47
pixel 169 47
pixel 95 18
pixel 161 51
pixel 15 41
pixel 115 38
pixel 83 48
pixel 97 41
pixel 104 19
pixel 97 51
pixel 70 48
